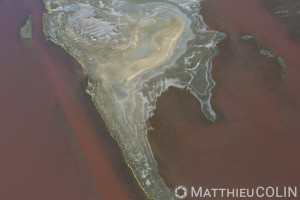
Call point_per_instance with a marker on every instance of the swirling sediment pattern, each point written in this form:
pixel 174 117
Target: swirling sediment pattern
pixel 132 51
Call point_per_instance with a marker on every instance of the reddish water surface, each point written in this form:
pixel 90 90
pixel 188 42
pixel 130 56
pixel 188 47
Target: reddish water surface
pixel 49 140
pixel 256 138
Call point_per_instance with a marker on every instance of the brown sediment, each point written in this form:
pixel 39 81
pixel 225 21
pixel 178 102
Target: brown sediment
pixel 255 140
pixel 52 145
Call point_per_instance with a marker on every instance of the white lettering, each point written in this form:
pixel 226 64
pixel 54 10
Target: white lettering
pixel 198 194
pixel 277 192
pixel 243 192
pixel 270 191
pixel 294 192
pixel 215 191
pixel 206 193
pixel 260 195
pixel 222 191
pixel 252 193
pixel 230 192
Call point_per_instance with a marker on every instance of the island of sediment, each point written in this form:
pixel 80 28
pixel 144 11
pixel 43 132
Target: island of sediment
pixel 132 51
pixel 26 30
